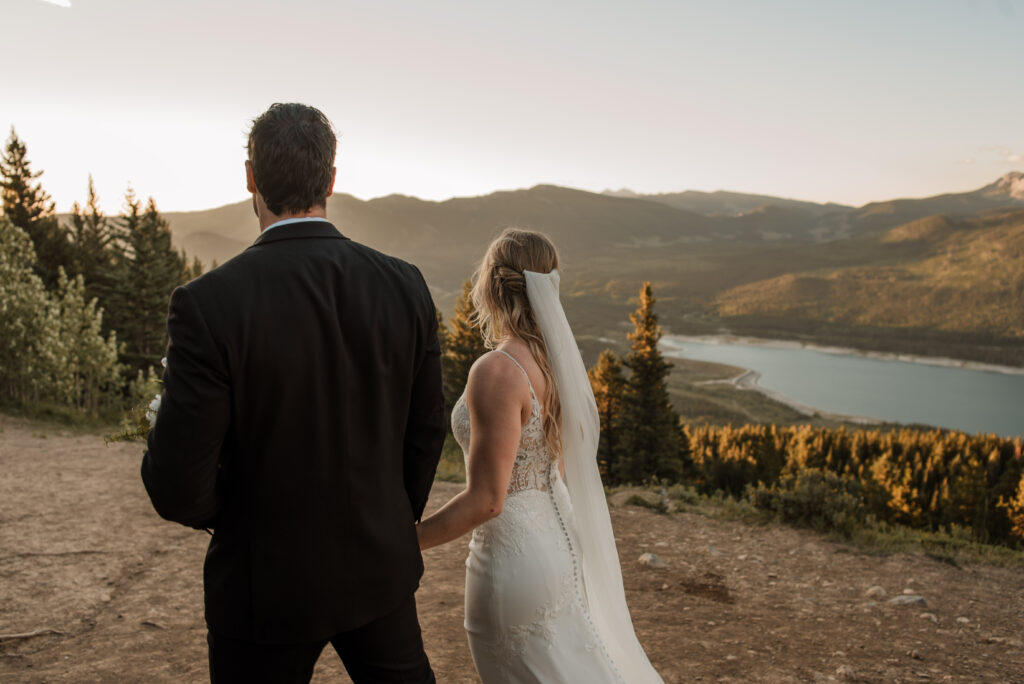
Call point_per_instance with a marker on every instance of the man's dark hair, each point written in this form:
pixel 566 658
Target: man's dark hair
pixel 291 149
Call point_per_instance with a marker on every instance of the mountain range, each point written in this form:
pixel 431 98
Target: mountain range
pixel 947 270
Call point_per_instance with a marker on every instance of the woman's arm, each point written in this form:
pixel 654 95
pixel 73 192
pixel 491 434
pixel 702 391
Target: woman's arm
pixel 495 393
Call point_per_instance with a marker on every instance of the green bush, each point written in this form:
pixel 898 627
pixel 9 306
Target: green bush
pixel 658 506
pixel 814 498
pixel 452 467
pixel 684 494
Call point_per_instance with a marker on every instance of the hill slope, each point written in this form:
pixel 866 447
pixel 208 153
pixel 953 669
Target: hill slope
pixel 938 274
pixel 782 268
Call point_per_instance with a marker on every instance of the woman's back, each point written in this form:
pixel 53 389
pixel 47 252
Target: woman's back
pixel 525 611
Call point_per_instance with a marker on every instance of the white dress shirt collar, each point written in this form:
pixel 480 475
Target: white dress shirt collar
pixel 284 222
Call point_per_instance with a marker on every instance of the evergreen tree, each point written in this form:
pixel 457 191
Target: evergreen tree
pixel 463 345
pixel 608 382
pixel 190 271
pixel 1015 511
pixel 82 363
pixel 28 207
pixel 95 245
pixel 145 273
pixel 23 307
pixel 649 433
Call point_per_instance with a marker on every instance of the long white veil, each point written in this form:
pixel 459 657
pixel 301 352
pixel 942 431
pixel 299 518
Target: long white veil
pixel 581 428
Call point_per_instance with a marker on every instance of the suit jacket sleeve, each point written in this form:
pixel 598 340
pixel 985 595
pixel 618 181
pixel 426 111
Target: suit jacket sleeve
pixel 424 428
pixel 180 468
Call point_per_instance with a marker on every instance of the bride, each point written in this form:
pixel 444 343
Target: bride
pixel 544 596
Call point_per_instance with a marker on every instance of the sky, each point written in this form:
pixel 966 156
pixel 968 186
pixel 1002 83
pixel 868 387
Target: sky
pixel 825 100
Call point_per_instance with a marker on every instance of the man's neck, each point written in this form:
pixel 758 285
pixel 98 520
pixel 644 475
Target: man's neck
pixel 268 218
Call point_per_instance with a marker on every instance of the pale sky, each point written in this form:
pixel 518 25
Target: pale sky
pixel 848 101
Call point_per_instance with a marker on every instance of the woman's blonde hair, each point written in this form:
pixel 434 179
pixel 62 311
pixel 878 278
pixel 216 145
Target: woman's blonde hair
pixel 503 310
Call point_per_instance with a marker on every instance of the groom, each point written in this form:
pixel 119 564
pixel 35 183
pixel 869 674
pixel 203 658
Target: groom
pixel 302 421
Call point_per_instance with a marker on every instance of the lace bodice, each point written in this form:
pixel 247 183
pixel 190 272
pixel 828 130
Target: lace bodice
pixel 533 458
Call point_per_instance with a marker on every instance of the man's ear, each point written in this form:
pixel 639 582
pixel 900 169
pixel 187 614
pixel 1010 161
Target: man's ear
pixel 250 180
pixel 334 177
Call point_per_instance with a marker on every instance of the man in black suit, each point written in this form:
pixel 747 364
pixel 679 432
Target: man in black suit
pixel 302 420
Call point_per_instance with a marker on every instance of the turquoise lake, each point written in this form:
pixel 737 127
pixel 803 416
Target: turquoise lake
pixel 891 390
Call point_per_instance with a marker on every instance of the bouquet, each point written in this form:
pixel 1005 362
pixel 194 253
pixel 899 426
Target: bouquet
pixel 140 420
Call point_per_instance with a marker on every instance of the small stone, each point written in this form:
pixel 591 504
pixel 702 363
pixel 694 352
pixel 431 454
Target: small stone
pixel 928 616
pixel 664 587
pixel 962 621
pixel 713 551
pixel 650 560
pixel 1015 643
pixel 909 591
pixel 876 592
pixel 742 557
pixel 838 654
pixel 908 600
pixel 846 672
pixel 914 654
pixel 730 657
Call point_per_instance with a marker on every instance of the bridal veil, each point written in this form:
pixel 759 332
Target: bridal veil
pixel 581 428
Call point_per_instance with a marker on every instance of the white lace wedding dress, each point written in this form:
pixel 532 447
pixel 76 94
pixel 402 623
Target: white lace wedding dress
pixel 526 611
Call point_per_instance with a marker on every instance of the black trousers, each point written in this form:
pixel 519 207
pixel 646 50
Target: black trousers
pixel 389 649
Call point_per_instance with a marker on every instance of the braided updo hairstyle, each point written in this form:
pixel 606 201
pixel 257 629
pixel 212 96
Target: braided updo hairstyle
pixel 503 310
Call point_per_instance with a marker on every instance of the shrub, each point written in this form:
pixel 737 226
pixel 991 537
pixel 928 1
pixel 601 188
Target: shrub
pixel 658 506
pixel 814 498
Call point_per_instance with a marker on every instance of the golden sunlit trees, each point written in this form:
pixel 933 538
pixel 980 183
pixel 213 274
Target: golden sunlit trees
pixel 462 344
pixel 608 382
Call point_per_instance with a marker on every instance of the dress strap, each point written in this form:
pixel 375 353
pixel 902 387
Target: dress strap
pixel 533 394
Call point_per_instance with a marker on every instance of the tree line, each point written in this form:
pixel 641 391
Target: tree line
pixel 83 304
pixel 831 478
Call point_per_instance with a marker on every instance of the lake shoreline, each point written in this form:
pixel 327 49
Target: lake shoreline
pixel 940 361
pixel 748 380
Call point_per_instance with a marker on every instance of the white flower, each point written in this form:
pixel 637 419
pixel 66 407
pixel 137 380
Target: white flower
pixel 154 407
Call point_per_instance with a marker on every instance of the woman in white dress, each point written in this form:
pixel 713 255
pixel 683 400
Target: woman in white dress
pixel 544 596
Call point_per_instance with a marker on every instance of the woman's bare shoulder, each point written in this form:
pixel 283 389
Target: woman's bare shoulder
pixel 496 368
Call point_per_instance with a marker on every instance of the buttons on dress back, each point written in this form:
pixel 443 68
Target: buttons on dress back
pixel 581 602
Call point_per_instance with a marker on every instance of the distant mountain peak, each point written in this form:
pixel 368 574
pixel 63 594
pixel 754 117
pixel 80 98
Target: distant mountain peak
pixel 621 192
pixel 1012 184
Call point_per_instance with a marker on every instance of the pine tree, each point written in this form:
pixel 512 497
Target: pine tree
pixel 463 345
pixel 146 272
pixel 649 444
pixel 190 271
pixel 96 245
pixel 29 207
pixel 608 382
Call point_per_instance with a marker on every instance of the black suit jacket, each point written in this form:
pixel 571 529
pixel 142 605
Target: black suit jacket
pixel 302 419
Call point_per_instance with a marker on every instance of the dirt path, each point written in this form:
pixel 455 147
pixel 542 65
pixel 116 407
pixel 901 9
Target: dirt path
pixel 83 554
